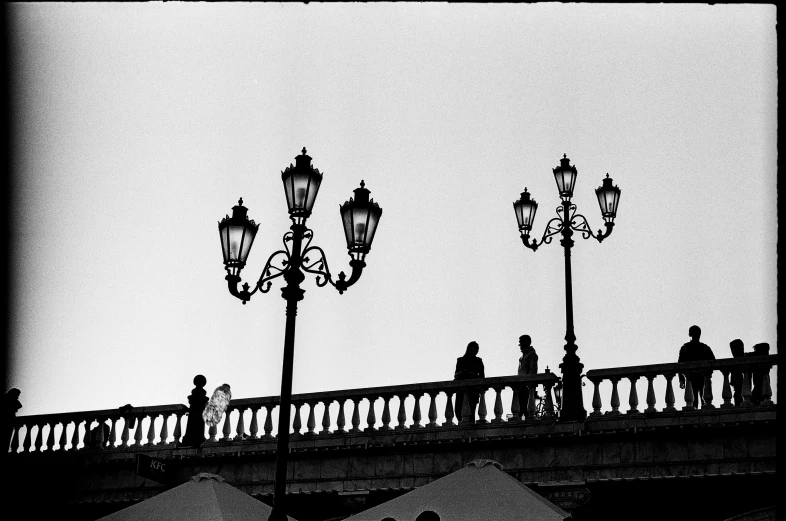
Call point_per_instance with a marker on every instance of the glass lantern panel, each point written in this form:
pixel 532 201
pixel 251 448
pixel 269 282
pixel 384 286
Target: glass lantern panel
pixel 247 242
pixel 300 181
pixel 360 217
pixel 224 235
pixel 346 217
pixel 312 191
pixel 371 226
pixel 235 237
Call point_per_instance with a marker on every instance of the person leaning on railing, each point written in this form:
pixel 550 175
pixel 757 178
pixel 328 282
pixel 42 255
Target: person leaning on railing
pixel 695 351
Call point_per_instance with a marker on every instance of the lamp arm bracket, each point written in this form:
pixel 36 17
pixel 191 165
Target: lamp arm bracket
pixel 318 267
pixel 271 271
pixel 553 227
pixel 579 224
pixel 342 284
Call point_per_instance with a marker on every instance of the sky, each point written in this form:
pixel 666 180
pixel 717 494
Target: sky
pixel 137 127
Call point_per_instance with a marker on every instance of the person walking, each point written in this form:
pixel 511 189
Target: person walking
pixel 468 367
pixel 695 351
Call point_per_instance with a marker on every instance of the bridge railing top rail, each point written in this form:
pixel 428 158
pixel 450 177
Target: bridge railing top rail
pixel 673 368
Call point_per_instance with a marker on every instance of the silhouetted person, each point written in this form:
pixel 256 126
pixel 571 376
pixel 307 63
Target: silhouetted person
pixel 759 373
pixel 11 405
pixel 695 351
pixel 107 428
pixel 428 515
pixel 468 367
pixel 528 364
pixel 736 375
pixel 214 410
pixel 195 428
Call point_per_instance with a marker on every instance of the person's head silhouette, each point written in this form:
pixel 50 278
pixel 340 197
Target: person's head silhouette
pixel 694 333
pixel 525 341
pixel 472 349
pixel 428 515
pixel 737 348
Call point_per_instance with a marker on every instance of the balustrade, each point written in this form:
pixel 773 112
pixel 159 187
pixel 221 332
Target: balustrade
pixel 751 369
pixel 138 429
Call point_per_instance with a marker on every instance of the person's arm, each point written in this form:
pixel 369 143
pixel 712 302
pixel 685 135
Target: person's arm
pixel 534 364
pixel 482 370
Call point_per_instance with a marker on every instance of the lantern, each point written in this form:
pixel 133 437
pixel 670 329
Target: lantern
pixel 360 216
pixel 237 235
pixel 301 184
pixel 608 199
pixel 565 175
pixel 525 209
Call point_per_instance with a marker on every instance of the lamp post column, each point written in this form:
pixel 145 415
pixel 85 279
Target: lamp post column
pixel 292 294
pixel 572 398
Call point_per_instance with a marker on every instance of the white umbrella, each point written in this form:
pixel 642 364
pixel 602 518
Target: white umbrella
pixel 205 497
pixel 481 491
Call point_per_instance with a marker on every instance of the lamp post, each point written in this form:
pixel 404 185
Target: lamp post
pixel 566 222
pixel 360 217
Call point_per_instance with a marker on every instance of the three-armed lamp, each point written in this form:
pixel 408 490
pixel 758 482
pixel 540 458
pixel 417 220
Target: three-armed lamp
pixel 360 216
pixel 566 222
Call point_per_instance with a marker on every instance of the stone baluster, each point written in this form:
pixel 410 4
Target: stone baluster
pixel 226 427
pixel 75 435
pixel 402 413
pixel 449 410
pixel 254 428
pixel 498 410
pixel 432 409
pixel 212 431
pixel 50 439
pixel 689 397
pixel 124 435
pixel 86 437
pixel 151 431
pixel 651 401
pixel 63 437
pixel 482 411
pixel 39 439
pixel 707 398
pixel 164 432
pixel 766 388
pixel 178 428
pixel 532 407
pixel 416 417
pixel 515 409
pixel 341 420
pixel 615 398
pixel 15 439
pixel 746 387
pixel 670 399
pixel 548 409
pixel 597 403
pixel 726 393
pixel 371 419
pixel 240 427
pixel 138 431
pixel 326 418
pixel 356 415
pixel 633 399
pixel 112 432
pixel 465 414
pixel 296 421
pixel 386 414
pixel 311 423
pixel 269 421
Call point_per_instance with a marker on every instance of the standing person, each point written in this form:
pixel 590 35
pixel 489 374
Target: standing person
pixel 695 351
pixel 736 375
pixel 468 367
pixel 195 428
pixel 528 364
pixel 11 405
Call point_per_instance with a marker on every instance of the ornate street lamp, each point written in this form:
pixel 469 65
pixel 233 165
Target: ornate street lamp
pixel 566 222
pixel 360 217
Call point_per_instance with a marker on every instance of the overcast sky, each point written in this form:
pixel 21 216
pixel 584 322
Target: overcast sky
pixel 138 127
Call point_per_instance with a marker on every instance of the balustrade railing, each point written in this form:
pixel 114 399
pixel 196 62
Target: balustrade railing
pixel 338 412
pixel 753 377
pixel 394 408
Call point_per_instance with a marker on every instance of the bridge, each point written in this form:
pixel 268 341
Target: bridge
pixel 660 455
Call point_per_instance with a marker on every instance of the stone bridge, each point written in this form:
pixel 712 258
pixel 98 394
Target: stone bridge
pixel 357 448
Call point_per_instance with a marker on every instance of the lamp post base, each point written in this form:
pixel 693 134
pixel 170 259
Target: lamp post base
pixel 572 395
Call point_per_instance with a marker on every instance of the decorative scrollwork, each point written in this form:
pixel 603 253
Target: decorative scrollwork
pixel 579 223
pixel 321 271
pixel 271 271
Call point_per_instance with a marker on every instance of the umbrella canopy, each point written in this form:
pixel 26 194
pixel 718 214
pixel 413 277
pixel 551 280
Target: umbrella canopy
pixel 481 491
pixel 203 498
